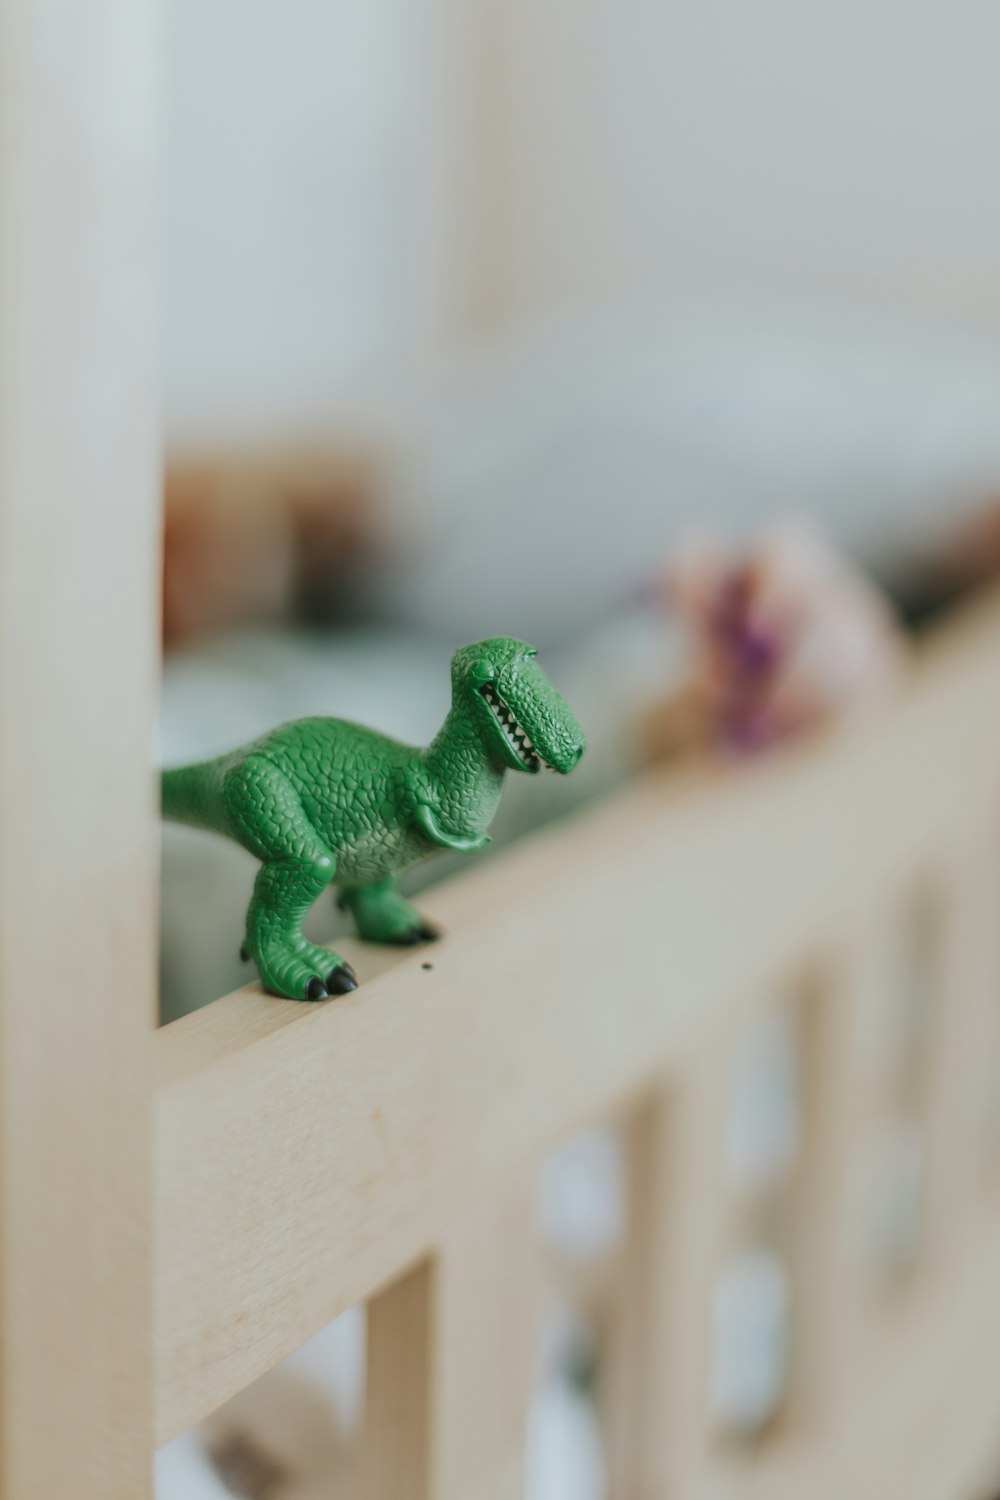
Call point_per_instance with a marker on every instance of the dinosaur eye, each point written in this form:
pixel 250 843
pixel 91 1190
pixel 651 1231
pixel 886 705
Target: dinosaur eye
pixel 483 670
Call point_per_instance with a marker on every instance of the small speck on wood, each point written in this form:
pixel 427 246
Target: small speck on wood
pixel 427 966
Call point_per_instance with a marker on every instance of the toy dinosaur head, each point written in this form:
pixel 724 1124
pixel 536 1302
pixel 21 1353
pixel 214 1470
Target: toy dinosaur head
pixel 523 722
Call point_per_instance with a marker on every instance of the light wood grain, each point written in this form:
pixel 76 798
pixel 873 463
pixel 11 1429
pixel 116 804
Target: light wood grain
pixel 383 1146
pixel 574 968
pixel 827 1291
pixel 78 523
pixel 622 1311
pixel 489 1325
pixel 396 1454
pixel 638 1416
pixel 922 1418
pixel 962 1039
pixel 683 1213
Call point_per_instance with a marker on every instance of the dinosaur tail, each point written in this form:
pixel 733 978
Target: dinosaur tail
pixel 193 794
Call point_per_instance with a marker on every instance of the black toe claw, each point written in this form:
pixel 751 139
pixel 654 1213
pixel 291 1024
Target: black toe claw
pixel 341 980
pixel 429 933
pixel 316 990
pixel 408 939
pixel 244 954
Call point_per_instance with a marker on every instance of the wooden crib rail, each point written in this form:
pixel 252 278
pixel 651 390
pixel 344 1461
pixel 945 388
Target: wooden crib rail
pixel 307 1156
pixel 241 1176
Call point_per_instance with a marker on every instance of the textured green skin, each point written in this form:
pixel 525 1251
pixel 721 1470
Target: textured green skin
pixel 326 802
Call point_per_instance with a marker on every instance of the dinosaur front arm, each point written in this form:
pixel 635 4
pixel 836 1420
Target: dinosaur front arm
pixel 462 844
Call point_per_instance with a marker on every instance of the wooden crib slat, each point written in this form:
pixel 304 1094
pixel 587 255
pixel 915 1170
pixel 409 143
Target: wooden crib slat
pixel 453 1354
pixel 644 1136
pixel 78 584
pixel 963 1062
pixel 826 1251
pixel 679 1221
pixel 489 1325
pixel 370 1123
pixel 920 1414
pixel 638 1397
pixel 396 1442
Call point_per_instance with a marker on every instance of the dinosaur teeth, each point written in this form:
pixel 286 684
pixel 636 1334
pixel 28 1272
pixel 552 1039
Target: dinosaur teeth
pixel 516 737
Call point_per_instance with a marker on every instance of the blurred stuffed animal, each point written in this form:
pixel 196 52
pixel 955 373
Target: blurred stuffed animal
pixel 786 634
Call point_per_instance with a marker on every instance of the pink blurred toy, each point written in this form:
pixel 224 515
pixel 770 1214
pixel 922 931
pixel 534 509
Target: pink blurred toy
pixel 787 634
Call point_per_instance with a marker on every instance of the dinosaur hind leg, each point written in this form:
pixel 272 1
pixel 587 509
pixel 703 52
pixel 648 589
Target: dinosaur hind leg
pixel 267 817
pixel 288 964
pixel 382 915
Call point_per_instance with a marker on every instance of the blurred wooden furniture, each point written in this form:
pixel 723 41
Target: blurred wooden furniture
pixel 308 1158
pixel 250 536
pixel 179 1209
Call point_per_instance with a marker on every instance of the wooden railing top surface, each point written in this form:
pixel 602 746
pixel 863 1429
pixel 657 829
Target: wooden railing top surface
pixel 308 1154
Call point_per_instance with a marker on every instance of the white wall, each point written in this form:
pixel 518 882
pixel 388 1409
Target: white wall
pixel 293 209
pixel 779 147
pixel 356 182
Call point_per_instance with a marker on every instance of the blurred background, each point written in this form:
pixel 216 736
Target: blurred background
pixel 662 334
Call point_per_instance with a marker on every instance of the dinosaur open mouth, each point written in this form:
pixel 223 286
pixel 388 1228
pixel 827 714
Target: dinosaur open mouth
pixel 517 738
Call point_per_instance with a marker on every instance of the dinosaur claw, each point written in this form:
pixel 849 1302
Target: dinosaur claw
pixel 422 932
pixel 316 990
pixel 244 954
pixel 341 980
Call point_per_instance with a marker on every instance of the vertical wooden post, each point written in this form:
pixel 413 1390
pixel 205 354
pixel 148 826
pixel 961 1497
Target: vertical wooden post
pixel 452 1360
pixel 962 1063
pixel 78 525
pixel 824 1251
pixel 677 1223
pixel 488 1332
pixel 643 1136
pixel 396 1456
pixel 853 1032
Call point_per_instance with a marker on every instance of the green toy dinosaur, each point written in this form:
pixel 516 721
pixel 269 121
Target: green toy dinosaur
pixel 324 801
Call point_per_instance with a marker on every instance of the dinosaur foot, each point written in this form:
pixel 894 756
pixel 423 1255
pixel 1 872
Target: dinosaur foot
pixel 382 915
pixel 302 971
pixel 341 980
pixel 423 932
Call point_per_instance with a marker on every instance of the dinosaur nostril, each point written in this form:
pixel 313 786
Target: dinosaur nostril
pixel 576 755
